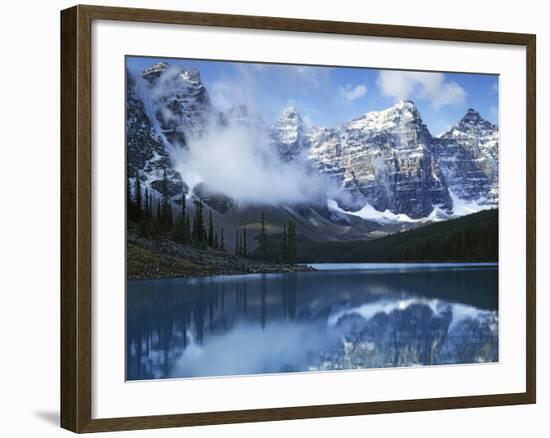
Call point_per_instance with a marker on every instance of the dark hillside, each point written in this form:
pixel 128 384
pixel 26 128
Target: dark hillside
pixel 472 238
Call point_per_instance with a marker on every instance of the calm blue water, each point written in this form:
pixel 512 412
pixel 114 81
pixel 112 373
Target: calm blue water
pixel 344 316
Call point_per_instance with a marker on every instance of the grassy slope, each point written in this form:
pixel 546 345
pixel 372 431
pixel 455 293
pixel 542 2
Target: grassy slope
pixel 160 257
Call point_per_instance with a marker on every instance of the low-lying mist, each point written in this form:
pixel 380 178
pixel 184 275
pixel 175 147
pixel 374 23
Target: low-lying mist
pixel 240 162
pixel 236 159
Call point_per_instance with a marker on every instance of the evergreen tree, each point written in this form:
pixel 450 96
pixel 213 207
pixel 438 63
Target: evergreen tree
pixel 166 209
pixel 146 222
pixel 169 222
pixel 222 241
pixel 150 205
pixel 180 227
pixel 262 238
pixel 216 243
pixel 146 205
pixel 180 230
pixel 284 247
pixel 291 242
pixel 188 233
pixel 202 228
pixel 237 243
pixel 130 210
pixel 245 244
pixel 145 226
pixel 138 198
pixel 199 235
pixel 159 214
pixel 194 232
pixel 183 204
pixel 210 236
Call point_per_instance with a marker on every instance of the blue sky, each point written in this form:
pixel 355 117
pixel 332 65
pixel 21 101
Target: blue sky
pixel 328 96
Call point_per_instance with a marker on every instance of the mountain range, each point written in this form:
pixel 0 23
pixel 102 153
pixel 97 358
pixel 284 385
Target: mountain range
pixel 384 171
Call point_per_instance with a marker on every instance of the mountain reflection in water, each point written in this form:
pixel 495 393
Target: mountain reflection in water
pixel 347 317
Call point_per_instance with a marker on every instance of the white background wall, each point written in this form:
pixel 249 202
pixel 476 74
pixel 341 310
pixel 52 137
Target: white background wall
pixel 29 218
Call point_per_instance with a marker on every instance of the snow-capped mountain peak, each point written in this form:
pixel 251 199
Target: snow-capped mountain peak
pixel 475 128
pixel 291 113
pixel 383 157
pixel 178 103
pixel 191 75
pixel 471 117
pixel 290 134
pixel 468 156
pixel 154 71
pixel 385 160
pixel 472 114
pixel 474 122
pixel 405 106
pixel 400 114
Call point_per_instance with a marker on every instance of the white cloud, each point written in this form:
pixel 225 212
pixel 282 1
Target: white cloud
pixel 432 87
pixel 222 95
pixel 305 76
pixel 240 89
pixel 240 161
pixel 351 93
pixel 244 84
pixel 276 345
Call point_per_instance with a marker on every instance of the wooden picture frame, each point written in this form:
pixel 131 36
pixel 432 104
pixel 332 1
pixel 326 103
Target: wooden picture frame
pixel 76 217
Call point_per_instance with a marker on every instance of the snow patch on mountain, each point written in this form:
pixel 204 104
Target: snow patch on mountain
pixel 468 156
pixel 368 212
pixel 462 207
pixel 458 311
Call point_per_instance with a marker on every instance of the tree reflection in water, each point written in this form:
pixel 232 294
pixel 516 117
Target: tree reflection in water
pixel 310 321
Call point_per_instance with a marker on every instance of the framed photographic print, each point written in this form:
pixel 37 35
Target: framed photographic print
pixel 268 218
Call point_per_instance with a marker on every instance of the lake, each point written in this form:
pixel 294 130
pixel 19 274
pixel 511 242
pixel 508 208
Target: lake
pixel 343 316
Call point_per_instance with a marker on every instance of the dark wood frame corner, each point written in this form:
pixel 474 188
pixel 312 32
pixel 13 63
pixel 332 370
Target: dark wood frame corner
pixel 76 222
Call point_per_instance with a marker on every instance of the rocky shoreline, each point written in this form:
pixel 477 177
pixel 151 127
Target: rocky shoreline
pixel 164 258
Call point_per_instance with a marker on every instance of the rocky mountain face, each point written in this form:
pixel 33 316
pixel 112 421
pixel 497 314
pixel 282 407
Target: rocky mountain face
pixel 385 162
pixel 390 160
pixel 468 157
pixel 147 156
pixel 179 102
pixel 415 335
pixel 290 135
pixel 386 159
